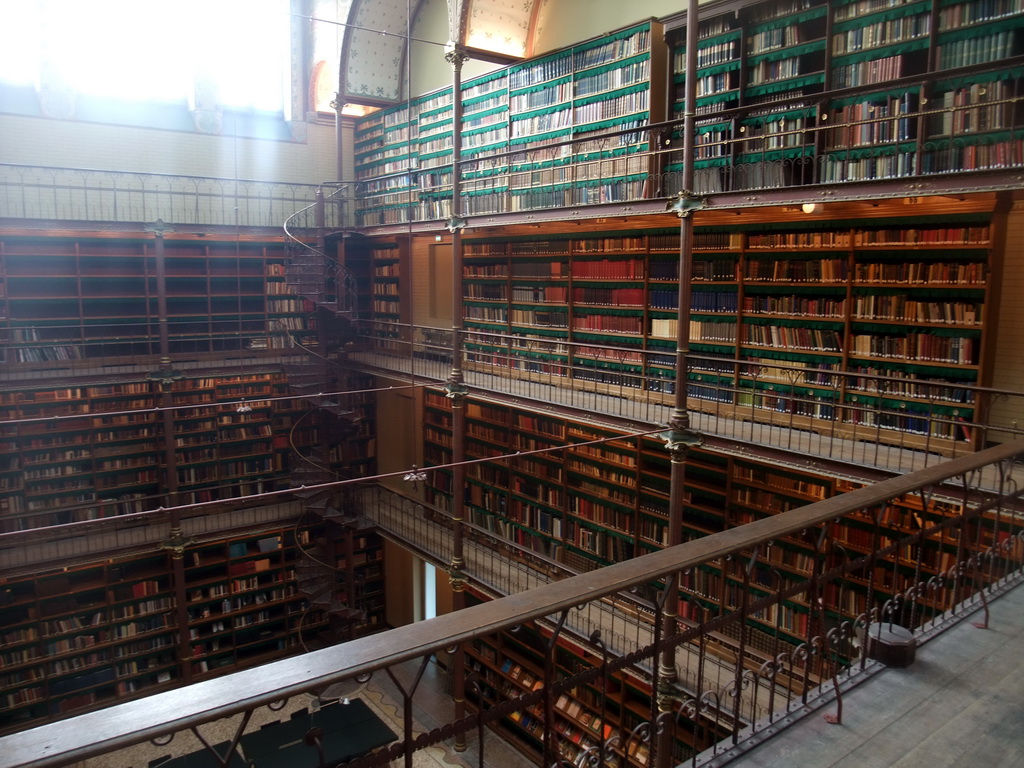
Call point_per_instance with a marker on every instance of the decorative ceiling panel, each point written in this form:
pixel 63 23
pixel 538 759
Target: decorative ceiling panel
pixel 376 47
pixel 543 6
pixel 502 26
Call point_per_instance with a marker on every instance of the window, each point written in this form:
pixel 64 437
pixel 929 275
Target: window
pixel 228 54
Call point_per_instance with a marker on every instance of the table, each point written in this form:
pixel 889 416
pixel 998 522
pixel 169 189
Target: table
pixel 201 758
pixel 349 730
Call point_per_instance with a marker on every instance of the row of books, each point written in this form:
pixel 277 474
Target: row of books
pixel 867 72
pixel 796 270
pixel 906 309
pixel 773 39
pixel 708 55
pixel 917 346
pixel 948 158
pixel 617 106
pixel 608 323
pixel 881 33
pixel 843 168
pixel 627 74
pixel 907 385
pixel 857 8
pixel 622 297
pixel 954 16
pixel 609 517
pixel 546 69
pixel 977 50
pixel 783 336
pixel 961 112
pixel 796 305
pixel 555 93
pixel 874 121
pixel 612 50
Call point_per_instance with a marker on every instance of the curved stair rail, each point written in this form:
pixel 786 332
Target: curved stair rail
pixel 313 274
pixel 327 520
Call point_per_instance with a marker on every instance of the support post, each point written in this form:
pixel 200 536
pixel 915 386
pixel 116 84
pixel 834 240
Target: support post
pixel 163 379
pixel 679 438
pixel 456 390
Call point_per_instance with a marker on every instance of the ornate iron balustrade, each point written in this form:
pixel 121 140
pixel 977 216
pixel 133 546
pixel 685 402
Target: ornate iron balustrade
pixel 952 563
pixel 893 423
pixel 82 194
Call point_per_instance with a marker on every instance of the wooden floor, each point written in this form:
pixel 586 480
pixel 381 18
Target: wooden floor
pixel 961 703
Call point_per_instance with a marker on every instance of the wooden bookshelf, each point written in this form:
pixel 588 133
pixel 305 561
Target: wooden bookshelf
pixel 597 504
pixel 577 96
pixel 76 298
pixel 777 310
pixel 916 89
pixel 605 502
pixel 87 636
pixel 105 456
pixel 606 711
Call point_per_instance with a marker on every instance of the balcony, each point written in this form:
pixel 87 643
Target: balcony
pixel 733 665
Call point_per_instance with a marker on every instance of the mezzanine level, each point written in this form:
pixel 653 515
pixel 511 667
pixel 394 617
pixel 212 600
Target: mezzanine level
pixel 701 718
pixel 856 420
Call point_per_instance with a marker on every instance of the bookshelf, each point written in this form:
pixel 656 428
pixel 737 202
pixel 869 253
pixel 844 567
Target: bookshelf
pixel 585 715
pixel 556 122
pixel 485 134
pixel 79 637
pixel 387 146
pixel 87 636
pixel 789 93
pixel 105 455
pixel 78 298
pixel 575 506
pixel 592 505
pixel 777 310
pixel 793 93
pixel 362 561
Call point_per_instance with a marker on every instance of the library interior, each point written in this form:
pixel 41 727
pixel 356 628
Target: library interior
pixel 348 413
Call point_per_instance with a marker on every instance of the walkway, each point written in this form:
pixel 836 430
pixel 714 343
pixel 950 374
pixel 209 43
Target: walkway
pixel 804 446
pixel 961 703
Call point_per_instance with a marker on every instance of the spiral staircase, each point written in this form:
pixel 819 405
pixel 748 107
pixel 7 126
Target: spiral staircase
pixel 329 519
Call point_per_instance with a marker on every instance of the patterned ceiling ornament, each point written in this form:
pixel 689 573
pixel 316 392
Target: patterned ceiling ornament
pixel 458 14
pixel 499 26
pixel 374 41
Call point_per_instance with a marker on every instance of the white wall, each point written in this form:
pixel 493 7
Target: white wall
pixel 563 22
pixel 430 71
pixel 68 143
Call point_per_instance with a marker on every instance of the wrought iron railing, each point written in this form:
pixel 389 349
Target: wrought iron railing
pixel 887 421
pixel 767 635
pixel 82 194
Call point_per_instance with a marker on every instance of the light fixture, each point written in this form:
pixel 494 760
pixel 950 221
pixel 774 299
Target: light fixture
pixel 809 207
pixel 416 475
pixel 684 203
pixel 243 407
pixel 455 223
pixel 680 439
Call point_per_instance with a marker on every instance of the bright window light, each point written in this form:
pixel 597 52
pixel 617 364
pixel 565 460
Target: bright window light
pixel 429 590
pixel 237 50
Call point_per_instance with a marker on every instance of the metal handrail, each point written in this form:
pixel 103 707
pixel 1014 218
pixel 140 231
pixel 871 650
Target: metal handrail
pixel 132 722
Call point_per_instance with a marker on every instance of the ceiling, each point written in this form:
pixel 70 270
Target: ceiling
pixel 374 47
